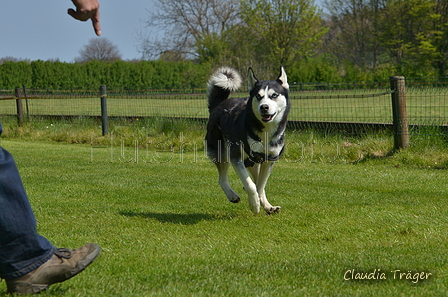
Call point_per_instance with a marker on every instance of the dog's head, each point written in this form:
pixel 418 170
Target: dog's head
pixel 269 98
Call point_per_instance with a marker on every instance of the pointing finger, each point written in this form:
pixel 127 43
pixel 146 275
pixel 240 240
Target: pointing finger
pixel 96 23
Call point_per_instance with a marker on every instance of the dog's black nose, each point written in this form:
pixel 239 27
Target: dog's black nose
pixel 264 108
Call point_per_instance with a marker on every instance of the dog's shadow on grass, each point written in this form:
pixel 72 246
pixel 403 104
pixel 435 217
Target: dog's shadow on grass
pixel 176 218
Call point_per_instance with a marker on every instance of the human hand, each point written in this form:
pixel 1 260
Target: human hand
pixel 87 9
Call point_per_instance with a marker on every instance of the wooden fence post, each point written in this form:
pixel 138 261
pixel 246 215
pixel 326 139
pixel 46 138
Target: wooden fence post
pixel 104 118
pixel 26 103
pixel 19 107
pixel 400 117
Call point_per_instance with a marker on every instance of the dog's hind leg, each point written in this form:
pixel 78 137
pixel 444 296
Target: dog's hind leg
pixel 248 184
pixel 223 169
pixel 254 171
pixel 265 172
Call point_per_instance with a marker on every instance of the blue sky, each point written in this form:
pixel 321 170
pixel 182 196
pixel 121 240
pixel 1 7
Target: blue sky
pixel 43 30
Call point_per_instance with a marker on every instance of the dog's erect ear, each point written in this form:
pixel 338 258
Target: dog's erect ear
pixel 283 79
pixel 251 79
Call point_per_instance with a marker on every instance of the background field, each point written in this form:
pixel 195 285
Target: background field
pixel 425 105
pixel 166 229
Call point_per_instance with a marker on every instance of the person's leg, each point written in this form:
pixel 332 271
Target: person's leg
pixel 28 261
pixel 22 249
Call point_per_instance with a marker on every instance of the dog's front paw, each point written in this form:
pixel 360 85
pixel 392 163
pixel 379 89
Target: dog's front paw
pixel 234 198
pixel 273 209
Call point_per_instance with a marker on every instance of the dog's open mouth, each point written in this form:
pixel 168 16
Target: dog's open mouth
pixel 267 117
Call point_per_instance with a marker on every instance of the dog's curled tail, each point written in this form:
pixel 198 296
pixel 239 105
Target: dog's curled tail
pixel 220 84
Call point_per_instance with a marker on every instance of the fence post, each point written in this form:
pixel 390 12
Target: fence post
pixel 104 119
pixel 26 103
pixel 19 107
pixel 400 117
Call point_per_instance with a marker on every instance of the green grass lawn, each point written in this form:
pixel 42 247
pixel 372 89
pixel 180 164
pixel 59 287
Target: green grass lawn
pixel 166 228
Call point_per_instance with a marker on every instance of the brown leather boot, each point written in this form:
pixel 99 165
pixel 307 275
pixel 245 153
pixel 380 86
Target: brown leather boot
pixel 63 265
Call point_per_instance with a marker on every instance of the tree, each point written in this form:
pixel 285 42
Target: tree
pixel 352 35
pixel 407 32
pixel 281 31
pixel 441 42
pixel 191 27
pixel 101 49
pixel 8 59
pixel 406 35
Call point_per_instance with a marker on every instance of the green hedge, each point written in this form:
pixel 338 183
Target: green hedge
pixel 48 74
pixel 172 75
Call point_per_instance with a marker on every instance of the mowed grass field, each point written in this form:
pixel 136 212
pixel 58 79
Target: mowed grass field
pixel 166 228
pixel 365 105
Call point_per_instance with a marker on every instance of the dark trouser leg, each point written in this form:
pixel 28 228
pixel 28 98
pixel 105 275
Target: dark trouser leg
pixel 21 248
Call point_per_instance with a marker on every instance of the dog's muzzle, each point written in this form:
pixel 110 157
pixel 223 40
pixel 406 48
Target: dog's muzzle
pixel 265 115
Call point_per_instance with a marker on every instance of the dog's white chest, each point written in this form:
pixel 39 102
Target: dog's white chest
pixel 264 147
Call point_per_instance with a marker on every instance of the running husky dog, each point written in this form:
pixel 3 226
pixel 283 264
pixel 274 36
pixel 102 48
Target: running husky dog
pixel 247 132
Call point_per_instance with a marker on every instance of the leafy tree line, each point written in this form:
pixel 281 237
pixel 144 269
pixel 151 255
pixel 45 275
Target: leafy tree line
pixel 407 36
pixel 398 37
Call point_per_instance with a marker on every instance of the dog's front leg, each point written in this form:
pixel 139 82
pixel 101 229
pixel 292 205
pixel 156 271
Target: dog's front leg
pixel 248 184
pixel 265 172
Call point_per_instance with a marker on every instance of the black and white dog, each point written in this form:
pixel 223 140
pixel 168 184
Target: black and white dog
pixel 247 132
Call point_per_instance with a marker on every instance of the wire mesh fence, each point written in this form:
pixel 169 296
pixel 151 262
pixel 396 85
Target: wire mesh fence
pixel 342 110
pixel 331 108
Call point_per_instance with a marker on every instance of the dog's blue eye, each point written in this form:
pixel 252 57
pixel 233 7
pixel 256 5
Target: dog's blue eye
pixel 258 96
pixel 274 95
